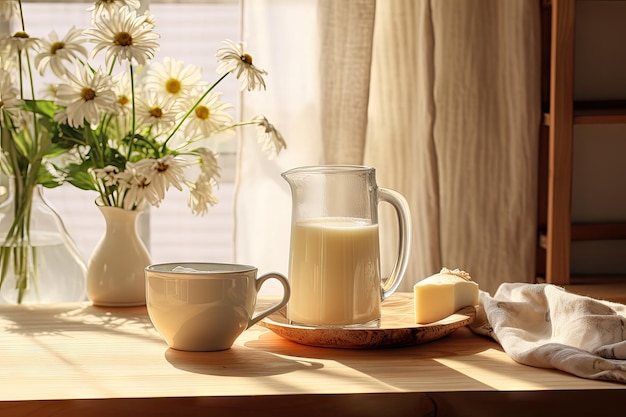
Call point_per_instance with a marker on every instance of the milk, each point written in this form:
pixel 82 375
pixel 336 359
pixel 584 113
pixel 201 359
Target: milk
pixel 334 272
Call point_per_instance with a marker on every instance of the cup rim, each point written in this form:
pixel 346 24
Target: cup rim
pixel 209 268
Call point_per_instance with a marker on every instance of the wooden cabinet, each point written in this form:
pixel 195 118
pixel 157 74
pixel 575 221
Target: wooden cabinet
pixel 561 113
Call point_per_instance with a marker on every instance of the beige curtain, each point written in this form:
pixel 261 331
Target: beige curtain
pixel 346 31
pixel 442 97
pixel 455 105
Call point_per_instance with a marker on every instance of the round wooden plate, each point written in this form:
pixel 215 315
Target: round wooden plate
pixel 397 328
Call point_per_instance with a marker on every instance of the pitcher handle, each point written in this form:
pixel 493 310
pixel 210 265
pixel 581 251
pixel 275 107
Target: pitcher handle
pixel 401 207
pixel 275 307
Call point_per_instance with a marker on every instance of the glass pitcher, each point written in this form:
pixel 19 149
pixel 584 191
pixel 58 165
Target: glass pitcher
pixel 334 262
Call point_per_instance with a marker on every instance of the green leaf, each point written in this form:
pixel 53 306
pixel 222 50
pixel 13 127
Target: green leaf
pixel 78 176
pixel 23 144
pixel 45 144
pixel 56 150
pixel 115 158
pixel 43 107
pixel 47 179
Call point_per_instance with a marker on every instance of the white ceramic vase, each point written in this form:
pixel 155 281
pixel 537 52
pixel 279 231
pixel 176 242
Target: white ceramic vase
pixel 115 273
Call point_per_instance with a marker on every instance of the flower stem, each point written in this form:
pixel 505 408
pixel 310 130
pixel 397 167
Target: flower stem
pixel 17 248
pixel 164 146
pixel 21 15
pixel 133 117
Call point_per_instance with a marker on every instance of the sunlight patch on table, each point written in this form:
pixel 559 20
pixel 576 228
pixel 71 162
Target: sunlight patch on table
pixel 505 376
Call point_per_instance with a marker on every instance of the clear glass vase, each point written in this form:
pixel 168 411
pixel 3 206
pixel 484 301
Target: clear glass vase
pixel 39 262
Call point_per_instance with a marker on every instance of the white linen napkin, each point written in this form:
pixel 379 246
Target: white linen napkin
pixel 545 326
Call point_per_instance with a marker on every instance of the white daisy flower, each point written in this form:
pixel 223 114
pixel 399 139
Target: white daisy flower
pixel 208 164
pixel 201 195
pixel 162 173
pixel 124 35
pixel 233 59
pixel 61 118
pixel 172 78
pixel 156 111
pixel 9 8
pixel 108 175
pixel 137 189
pixel 107 7
pixel 10 102
pixel 7 62
pixel 271 139
pixel 75 155
pixel 55 51
pixel 12 46
pixel 149 18
pixel 87 95
pixel 123 92
pixel 49 92
pixel 209 115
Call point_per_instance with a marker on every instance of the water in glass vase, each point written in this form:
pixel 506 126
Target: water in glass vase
pixel 39 262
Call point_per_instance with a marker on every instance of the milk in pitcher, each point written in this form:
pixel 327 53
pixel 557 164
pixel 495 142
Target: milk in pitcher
pixel 334 272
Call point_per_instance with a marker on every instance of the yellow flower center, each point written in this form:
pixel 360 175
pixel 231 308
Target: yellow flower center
pixel 156 112
pixel 123 100
pixel 203 112
pixel 247 59
pixel 173 86
pixel 87 94
pixel 56 47
pixel 21 34
pixel 123 39
pixel 161 167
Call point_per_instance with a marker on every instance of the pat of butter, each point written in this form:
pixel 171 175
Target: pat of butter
pixel 442 294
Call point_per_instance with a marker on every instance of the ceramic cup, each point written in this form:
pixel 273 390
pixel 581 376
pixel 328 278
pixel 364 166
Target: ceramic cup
pixel 205 306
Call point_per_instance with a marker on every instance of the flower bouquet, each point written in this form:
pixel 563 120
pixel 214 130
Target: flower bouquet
pixel 128 129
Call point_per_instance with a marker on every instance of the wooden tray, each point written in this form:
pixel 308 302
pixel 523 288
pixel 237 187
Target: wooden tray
pixel 397 328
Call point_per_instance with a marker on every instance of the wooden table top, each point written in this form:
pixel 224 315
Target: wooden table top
pixel 77 359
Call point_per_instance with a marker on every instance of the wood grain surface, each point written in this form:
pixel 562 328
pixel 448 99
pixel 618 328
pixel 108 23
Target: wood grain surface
pixel 79 360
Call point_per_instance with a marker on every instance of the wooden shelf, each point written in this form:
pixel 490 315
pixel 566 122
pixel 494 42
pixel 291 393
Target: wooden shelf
pixel 598 231
pixel 591 231
pixel 557 84
pixel 600 112
pixel 595 113
pixel 560 113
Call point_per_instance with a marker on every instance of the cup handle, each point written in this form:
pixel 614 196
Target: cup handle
pixel 401 206
pixel 276 307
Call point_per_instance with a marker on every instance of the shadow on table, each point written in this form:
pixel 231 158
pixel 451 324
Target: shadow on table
pixel 401 367
pixel 237 361
pixel 64 319
pixel 456 357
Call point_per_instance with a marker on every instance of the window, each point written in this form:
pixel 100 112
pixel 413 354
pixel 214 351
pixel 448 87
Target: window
pixel 191 31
